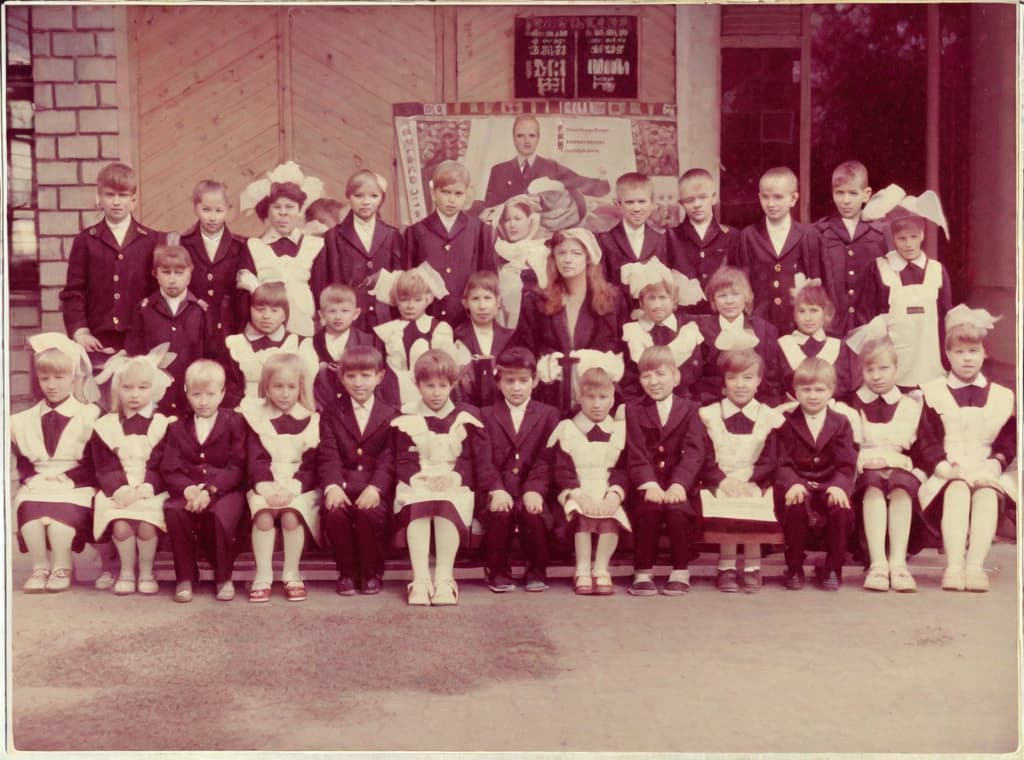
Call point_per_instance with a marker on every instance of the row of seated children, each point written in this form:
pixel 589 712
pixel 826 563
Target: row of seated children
pixel 133 472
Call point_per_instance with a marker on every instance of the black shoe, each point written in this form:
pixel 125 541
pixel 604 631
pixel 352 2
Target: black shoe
pixel 499 583
pixel 832 581
pixel 794 578
pixel 642 588
pixel 345 587
pixel 371 585
pixel 727 581
pixel 535 582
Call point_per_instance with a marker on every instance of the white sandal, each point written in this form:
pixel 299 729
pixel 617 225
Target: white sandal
pixel 124 585
pixel 446 593
pixel 902 581
pixel 419 593
pixel 36 583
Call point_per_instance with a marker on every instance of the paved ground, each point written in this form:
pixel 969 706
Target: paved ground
pixel 709 672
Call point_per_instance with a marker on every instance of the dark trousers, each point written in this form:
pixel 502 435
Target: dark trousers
pixel 211 531
pixel 833 524
pixel 357 539
pixel 647 521
pixel 533 534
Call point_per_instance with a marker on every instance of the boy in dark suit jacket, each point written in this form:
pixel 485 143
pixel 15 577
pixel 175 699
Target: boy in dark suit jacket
pixel 815 462
pixel 665 444
pixel 203 468
pixel 515 471
pixel 356 467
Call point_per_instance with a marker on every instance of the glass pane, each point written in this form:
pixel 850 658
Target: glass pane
pixel 24 263
pixel 19 173
pixel 18 50
pixel 20 114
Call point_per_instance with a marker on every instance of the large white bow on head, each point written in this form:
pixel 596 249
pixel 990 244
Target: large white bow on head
pixel 963 315
pixel 159 356
pixel 80 364
pixel 892 202
pixel 386 282
pixel 289 171
pixel 873 330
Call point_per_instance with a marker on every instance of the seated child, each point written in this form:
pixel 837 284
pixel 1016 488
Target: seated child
pixel 356 468
pixel 738 427
pixel 479 339
pixel 886 481
pixel 54 501
pixel 435 448
pixel 968 435
pixel 589 474
pixel 521 255
pixel 175 316
pixel 339 315
pixel 731 327
pixel 284 433
pixel 814 460
pixel 665 443
pixel 517 473
pixel 812 314
pixel 660 324
pixel 264 335
pixel 415 331
pixel 204 470
pixel 126 449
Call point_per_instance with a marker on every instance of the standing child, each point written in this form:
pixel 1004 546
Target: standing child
pixel 110 267
pixel 284 435
pixel 54 500
pixel 449 240
pixel 664 452
pixel 521 256
pixel 699 245
pixel 359 247
pixel 356 468
pixel 126 449
pixel 660 324
pixel 968 436
pixel 434 464
pixel 217 256
pixel 850 244
pixel 173 316
pixel 480 339
pixel 738 427
pixel 775 250
pixel 812 313
pixel 886 482
pixel 814 460
pixel 590 480
pixel 517 473
pixel 204 469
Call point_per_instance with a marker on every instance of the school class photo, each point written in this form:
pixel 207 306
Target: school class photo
pixel 561 325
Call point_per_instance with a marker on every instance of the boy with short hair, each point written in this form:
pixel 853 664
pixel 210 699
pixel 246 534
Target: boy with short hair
pixel 356 467
pixel 850 245
pixel 480 339
pixel 633 239
pixel 203 467
pixel 814 459
pixel 699 245
pixel 515 472
pixel 777 249
pixel 110 268
pixel 665 445
pixel 454 243
pixel 173 315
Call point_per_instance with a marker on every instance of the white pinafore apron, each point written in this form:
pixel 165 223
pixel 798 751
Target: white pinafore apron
pixel 637 340
pixel 392 335
pixel 914 321
pixel 294 272
pixel 251 362
pixel 889 441
pixel 794 352
pixel 593 460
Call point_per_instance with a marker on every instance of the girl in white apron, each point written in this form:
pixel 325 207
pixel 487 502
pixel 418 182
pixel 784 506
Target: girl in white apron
pixel 968 437
pixel 282 472
pixel 813 311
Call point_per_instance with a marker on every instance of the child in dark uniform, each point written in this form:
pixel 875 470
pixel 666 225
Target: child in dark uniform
pixel 479 339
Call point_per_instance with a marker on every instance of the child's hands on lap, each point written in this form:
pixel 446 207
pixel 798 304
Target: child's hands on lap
pixel 369 498
pixel 675 494
pixel 654 494
pixel 501 501
pixel 335 497
pixel 796 494
pixel 837 497
pixel 124 496
pixel 731 487
pixel 533 502
pixel 609 505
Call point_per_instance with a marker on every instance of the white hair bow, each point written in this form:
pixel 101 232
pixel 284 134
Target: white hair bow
pixel 873 330
pixel 80 364
pixel 963 315
pixel 289 171
pixel 386 282
pixel 801 281
pixel 892 202
pixel 159 356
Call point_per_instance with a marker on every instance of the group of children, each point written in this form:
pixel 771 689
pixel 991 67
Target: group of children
pixel 571 390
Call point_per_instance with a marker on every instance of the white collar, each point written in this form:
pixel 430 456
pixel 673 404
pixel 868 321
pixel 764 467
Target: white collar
pixel 426 411
pixel 585 424
pixel 979 381
pixel 521 159
pixel 632 231
pixel 119 226
pixel 447 221
pixel 215 237
pixel 665 405
pixel 272 236
pixel 422 322
pixel 670 322
pixel 367 407
pixel 802 338
pixel 174 303
pixel 701 229
pixel 737 325
pixel 782 227
pixel 898 263
pixel 68 407
pixel 750 410
pixel 298 412
pixel 365 224
pixel 146 411
pixel 332 340
pixel 520 409
pixel 815 417
pixel 867 395
pixel 252 334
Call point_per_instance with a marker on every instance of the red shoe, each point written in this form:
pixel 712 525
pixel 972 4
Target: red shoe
pixel 295 591
pixel 259 595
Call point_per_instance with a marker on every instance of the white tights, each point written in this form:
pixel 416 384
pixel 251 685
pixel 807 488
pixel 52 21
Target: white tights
pixel 606 543
pixel 894 516
pixel 34 533
pixel 446 546
pixel 968 524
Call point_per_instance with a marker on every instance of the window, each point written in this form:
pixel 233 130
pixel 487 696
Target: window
pixel 23 251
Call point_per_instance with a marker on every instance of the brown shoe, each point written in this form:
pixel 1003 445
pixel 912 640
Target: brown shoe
pixel 727 581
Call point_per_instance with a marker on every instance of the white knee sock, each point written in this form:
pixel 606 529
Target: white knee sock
pixel 606 543
pixel 147 551
pixel 726 557
pixel 417 535
pixel 126 551
pixel 263 553
pixel 33 533
pixel 583 543
pixel 446 542
pixel 875 521
pixel 899 527
pixel 956 510
pixel 61 537
pixel 294 541
pixel 984 517
pixel 751 557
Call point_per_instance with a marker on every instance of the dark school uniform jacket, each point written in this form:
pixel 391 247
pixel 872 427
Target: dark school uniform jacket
pixel 772 277
pixel 219 462
pixel 215 281
pixel 846 262
pixel 105 281
pixel 667 454
pixel 506 179
pixel 516 462
pixel 354 460
pixel 189 332
pixel 109 471
pixel 478 386
pixel 616 252
pixel 843 365
pixel 468 248
pixel 346 261
pixel 699 259
pixel 711 385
